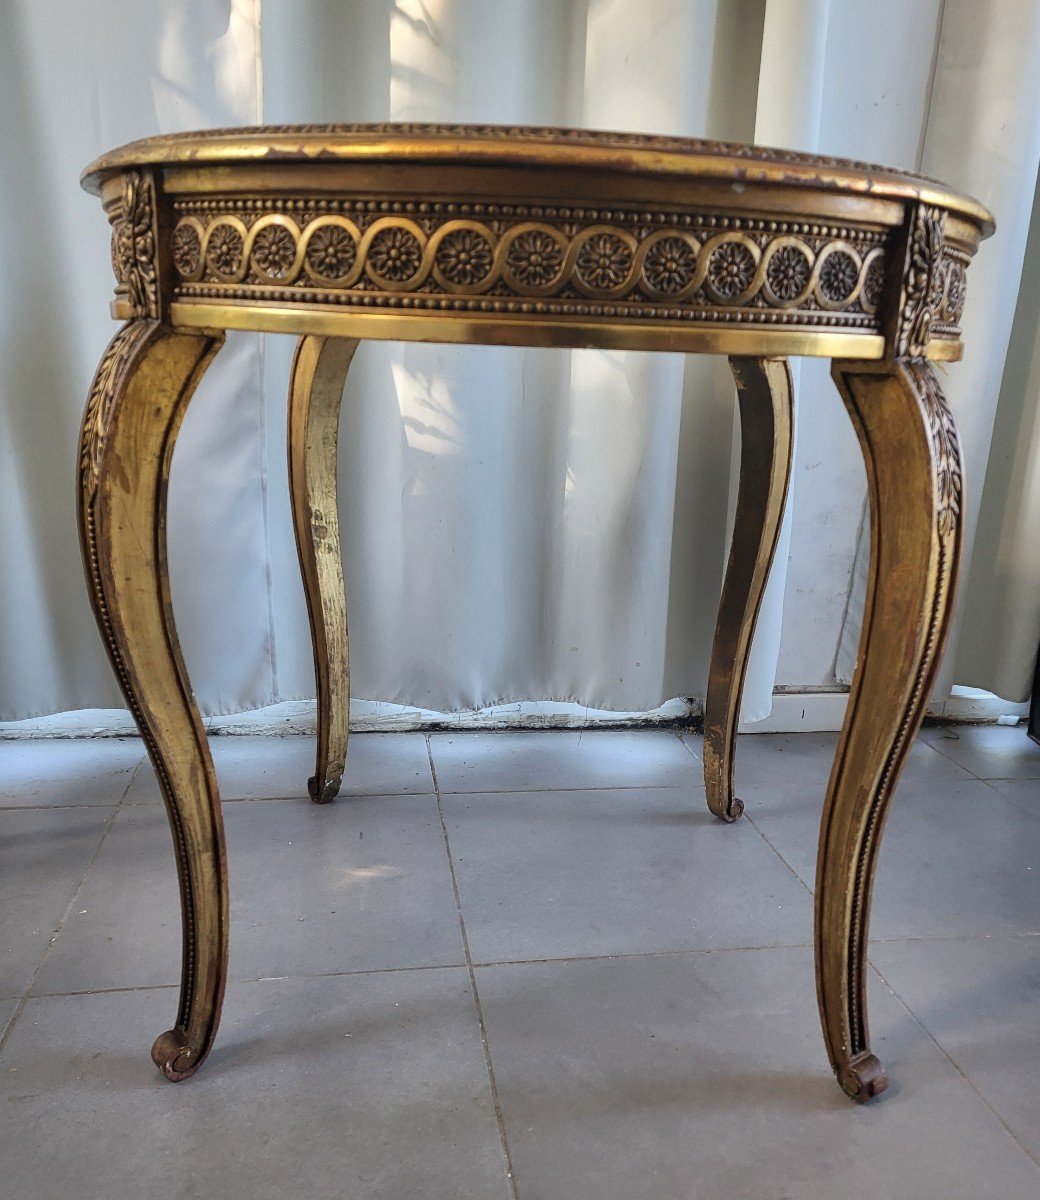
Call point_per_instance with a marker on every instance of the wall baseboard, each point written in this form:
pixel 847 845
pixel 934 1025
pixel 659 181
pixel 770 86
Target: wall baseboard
pixel 823 712
pixel 793 712
pixel 366 716
pixel 976 706
pixel 802 712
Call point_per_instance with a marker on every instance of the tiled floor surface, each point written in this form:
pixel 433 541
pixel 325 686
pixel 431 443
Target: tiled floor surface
pixel 518 965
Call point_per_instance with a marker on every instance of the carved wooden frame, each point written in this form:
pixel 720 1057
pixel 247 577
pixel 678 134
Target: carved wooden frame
pixel 533 237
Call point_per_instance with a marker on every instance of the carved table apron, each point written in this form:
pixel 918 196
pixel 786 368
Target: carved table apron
pixel 533 237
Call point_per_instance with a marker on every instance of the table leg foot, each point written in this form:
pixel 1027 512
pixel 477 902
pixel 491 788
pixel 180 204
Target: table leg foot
pixel 912 454
pixel 863 1078
pixel 174 1057
pixel 766 435
pixel 134 410
pixel 318 374
pixel 326 790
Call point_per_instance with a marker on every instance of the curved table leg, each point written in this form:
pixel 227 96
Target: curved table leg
pixel 318 373
pixel 134 410
pixel 912 453
pixel 766 443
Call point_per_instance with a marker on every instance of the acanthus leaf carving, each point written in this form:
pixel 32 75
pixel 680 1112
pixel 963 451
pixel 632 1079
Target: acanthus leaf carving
pixel 919 301
pixel 946 448
pixel 98 411
pixel 134 244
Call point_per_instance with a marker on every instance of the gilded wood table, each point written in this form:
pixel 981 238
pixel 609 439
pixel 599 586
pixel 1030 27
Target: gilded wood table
pixel 532 237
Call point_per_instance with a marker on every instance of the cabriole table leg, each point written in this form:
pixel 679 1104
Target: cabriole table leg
pixel 134 410
pixel 766 433
pixel 913 460
pixel 319 372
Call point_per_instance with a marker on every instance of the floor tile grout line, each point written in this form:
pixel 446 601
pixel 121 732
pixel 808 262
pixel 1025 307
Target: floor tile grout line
pixel 348 797
pixel 697 758
pixel 28 993
pixel 956 1065
pixel 603 787
pixel 448 966
pixel 911 938
pixel 755 827
pixel 973 774
pixel 45 807
pixel 551 960
pixel 153 801
pixel 942 754
pixel 579 958
pixel 1021 809
pixel 132 775
pixel 61 925
pixel 488 1066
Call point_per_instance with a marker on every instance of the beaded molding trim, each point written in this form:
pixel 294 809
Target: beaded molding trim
pixel 530 259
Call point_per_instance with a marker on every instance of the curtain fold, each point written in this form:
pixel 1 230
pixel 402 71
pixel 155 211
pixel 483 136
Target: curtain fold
pixel 1000 633
pixel 76 79
pixel 517 524
pixel 788 114
pixel 982 135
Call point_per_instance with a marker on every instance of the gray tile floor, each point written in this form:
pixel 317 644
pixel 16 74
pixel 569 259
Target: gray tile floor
pixel 518 965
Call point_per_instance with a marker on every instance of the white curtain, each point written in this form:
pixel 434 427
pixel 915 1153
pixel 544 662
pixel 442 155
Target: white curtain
pixel 998 643
pixel 518 524
pixel 983 135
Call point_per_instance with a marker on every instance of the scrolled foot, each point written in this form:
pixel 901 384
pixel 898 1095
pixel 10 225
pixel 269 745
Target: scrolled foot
pixel 324 793
pixel 718 784
pixel 733 813
pixel 174 1057
pixel 863 1078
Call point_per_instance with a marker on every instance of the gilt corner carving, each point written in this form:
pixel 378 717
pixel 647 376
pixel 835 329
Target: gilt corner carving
pixel 134 244
pixel 923 282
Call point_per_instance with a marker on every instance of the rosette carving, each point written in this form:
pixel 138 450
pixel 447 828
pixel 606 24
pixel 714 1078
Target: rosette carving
pixel 839 274
pixel 224 249
pixel 573 261
pixel 788 272
pixel 670 265
pixel 274 251
pixel 464 257
pixel 331 252
pixel 604 261
pixel 535 258
pixel 954 299
pixel 731 268
pixel 187 249
pixel 873 282
pixel 395 254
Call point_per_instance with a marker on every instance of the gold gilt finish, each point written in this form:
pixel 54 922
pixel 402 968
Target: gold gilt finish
pixel 766 445
pixel 134 411
pixel 915 483
pixel 319 372
pixel 536 237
